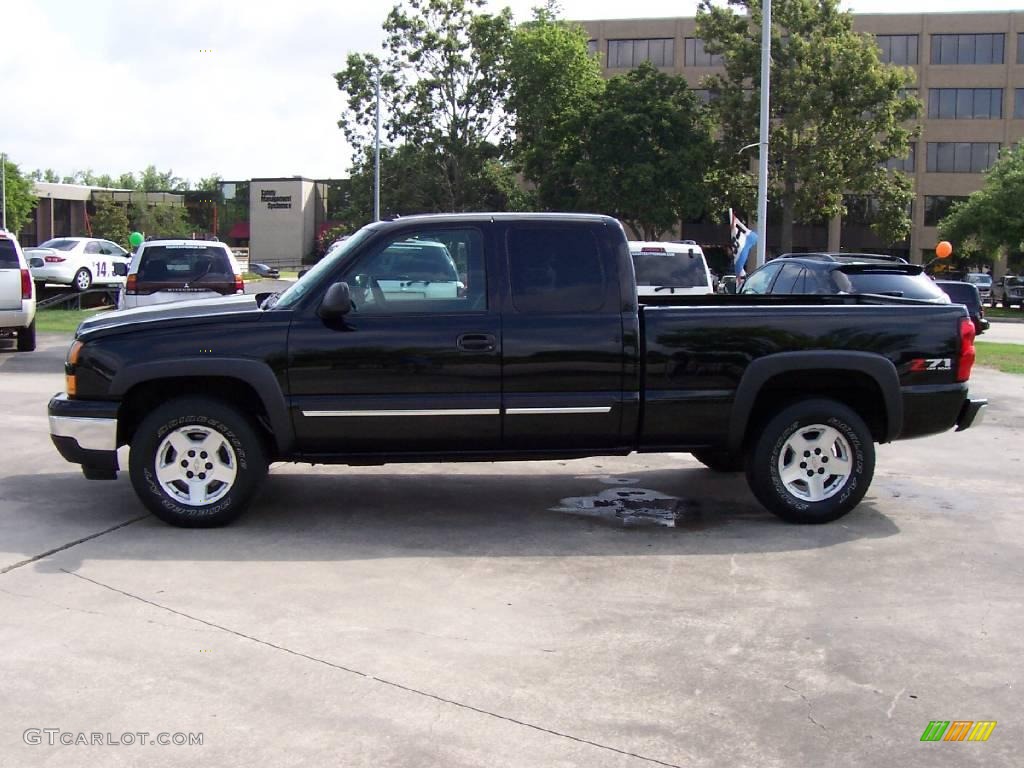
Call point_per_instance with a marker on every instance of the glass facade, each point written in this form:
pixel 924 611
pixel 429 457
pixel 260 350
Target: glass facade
pixel 898 49
pixel 961 156
pixel 965 103
pixel 936 207
pixel 968 49
pixel 696 56
pixel 625 54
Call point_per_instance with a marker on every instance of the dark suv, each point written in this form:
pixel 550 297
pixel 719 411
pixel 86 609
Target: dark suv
pixel 968 295
pixel 838 273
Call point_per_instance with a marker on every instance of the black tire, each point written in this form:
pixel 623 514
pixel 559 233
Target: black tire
pixel 1006 304
pixel 27 337
pixel 839 493
pixel 720 461
pixel 233 442
pixel 82 280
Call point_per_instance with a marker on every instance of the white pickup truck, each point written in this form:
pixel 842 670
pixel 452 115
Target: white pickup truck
pixel 17 294
pixel 670 269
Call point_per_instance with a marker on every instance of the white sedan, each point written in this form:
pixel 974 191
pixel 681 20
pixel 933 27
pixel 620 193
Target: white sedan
pixel 79 262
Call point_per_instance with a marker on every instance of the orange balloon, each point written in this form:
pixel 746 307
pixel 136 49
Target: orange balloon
pixel 944 249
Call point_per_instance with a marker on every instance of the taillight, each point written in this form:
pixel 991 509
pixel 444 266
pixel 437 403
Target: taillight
pixel 239 284
pixel 26 284
pixel 131 284
pixel 54 259
pixel 966 362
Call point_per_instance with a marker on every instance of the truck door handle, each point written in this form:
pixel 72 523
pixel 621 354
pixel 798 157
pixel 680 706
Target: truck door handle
pixel 476 342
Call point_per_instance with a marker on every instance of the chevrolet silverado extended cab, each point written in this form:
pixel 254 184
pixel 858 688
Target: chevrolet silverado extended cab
pixel 537 348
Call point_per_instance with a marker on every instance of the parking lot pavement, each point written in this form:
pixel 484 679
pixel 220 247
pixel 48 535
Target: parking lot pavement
pixel 424 615
pixel 1005 333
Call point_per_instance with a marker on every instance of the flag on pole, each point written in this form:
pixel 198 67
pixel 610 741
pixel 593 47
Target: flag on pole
pixel 743 240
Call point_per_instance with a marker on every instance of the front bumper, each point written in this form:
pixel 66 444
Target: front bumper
pixel 85 433
pixel 972 412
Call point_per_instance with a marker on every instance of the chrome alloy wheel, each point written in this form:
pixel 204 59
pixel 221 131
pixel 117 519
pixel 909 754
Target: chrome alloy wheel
pixel 815 462
pixel 196 465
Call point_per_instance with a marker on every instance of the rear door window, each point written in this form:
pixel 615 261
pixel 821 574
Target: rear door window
pixel 555 269
pixel 894 284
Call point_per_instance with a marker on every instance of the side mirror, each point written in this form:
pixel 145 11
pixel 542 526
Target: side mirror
pixel 120 269
pixel 337 302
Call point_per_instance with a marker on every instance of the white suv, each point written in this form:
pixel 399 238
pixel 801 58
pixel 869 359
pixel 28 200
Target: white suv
pixel 17 294
pixel 163 271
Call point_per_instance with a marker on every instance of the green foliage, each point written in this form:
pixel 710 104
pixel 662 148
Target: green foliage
pixel 638 151
pixel 992 218
pixel 443 86
pixel 554 83
pixel 837 112
pixel 18 196
pixel 111 222
pixel 161 220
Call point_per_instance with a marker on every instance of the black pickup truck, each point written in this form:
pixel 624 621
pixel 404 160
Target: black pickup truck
pixel 505 336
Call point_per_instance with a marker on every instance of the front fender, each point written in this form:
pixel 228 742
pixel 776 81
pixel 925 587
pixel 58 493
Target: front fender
pixel 255 373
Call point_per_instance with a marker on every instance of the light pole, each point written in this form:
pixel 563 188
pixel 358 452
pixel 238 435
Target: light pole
pixel 3 190
pixel 762 156
pixel 376 152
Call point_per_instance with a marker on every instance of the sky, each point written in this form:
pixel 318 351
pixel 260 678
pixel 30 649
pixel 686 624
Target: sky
pixel 231 87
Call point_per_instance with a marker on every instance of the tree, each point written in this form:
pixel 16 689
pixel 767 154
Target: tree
pixel 837 113
pixel 49 175
pixel 443 86
pixel 153 180
pixel 554 82
pixel 642 152
pixel 991 219
pixel 161 220
pixel 18 197
pixel 110 222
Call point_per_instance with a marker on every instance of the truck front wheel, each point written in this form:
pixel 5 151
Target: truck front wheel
pixel 812 463
pixel 195 462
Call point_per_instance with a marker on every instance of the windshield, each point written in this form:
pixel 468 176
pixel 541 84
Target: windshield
pixel 1015 281
pixel 678 270
pixel 60 244
pixel 301 287
pixel 979 279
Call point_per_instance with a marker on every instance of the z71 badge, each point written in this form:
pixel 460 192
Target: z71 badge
pixel 922 364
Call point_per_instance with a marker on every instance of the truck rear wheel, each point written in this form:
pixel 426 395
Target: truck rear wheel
pixel 195 462
pixel 812 463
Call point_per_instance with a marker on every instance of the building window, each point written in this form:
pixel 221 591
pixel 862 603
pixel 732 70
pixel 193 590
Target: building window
pixel 965 103
pixel 898 49
pixel 967 49
pixel 625 54
pixel 961 156
pixel 1020 47
pixel 1018 103
pixel 696 56
pixel 592 46
pixel 906 164
pixel 936 207
pixel 705 95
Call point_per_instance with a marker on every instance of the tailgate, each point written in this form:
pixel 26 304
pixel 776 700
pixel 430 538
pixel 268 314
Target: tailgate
pixel 10 288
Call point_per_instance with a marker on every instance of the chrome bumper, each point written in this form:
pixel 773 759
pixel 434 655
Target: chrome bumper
pixel 90 434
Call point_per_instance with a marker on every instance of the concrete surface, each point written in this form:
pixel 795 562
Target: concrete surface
pixel 426 615
pixel 1004 332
